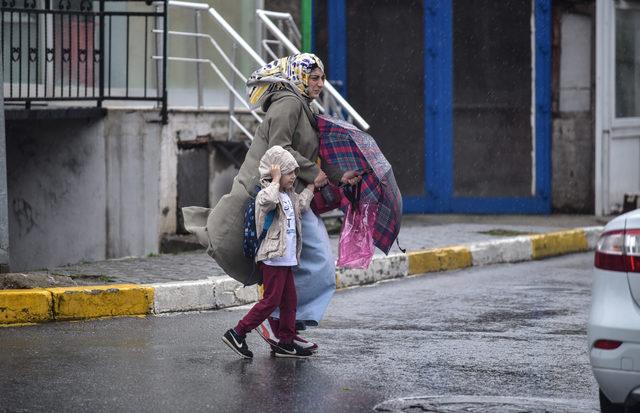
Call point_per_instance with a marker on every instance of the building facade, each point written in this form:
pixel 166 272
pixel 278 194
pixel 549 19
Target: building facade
pixel 517 106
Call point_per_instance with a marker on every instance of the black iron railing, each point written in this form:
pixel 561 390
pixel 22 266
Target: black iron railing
pixel 83 50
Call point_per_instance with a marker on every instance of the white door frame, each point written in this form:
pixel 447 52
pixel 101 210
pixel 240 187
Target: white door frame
pixel 609 130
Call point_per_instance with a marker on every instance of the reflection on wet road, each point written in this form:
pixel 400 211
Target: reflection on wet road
pixel 504 334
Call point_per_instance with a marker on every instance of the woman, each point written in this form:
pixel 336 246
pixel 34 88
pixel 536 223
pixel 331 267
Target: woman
pixel 284 89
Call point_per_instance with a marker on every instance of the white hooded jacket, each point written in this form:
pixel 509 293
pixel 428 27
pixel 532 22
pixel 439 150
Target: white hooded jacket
pixel 274 244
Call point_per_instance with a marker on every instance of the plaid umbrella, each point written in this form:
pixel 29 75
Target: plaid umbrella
pixel 347 147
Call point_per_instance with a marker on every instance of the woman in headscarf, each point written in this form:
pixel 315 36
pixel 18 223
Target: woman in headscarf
pixel 284 90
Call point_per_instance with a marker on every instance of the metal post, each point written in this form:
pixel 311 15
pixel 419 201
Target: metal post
pixel 306 12
pixel 158 47
pixel 103 55
pixel 198 54
pixel 232 99
pixel 260 30
pixel 280 45
pixel 4 198
pixel 165 25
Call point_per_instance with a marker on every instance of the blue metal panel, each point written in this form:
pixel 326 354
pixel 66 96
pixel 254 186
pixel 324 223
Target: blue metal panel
pixel 438 64
pixel 543 102
pixel 498 205
pixel 337 48
pixel 414 205
pixel 438 97
pixel 438 40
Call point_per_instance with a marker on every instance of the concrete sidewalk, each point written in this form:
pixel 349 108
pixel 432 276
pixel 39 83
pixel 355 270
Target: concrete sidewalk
pixel 192 281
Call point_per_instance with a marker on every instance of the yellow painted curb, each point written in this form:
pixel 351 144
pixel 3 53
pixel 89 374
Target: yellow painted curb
pixel 25 306
pixel 557 243
pixel 439 259
pixel 71 303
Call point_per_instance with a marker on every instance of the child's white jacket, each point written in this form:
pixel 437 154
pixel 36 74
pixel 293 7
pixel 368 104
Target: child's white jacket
pixel 275 242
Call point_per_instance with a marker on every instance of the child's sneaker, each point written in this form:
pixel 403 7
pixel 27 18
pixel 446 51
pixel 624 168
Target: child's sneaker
pixel 237 343
pixel 311 346
pixel 290 350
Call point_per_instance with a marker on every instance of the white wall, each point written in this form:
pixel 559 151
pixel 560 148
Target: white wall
pixel 91 189
pixel 575 63
pixel 132 142
pixel 83 190
pixel 57 198
pixel 572 143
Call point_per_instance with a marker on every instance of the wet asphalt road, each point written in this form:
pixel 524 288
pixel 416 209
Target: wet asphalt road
pixel 506 330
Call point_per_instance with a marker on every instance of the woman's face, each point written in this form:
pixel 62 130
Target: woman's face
pixel 316 83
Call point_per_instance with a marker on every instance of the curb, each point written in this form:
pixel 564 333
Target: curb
pixel 75 303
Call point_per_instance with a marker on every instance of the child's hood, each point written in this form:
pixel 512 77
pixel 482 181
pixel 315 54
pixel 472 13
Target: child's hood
pixel 276 155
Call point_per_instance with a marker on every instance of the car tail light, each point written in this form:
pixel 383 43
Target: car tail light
pixel 607 344
pixel 632 250
pixel 619 251
pixel 610 251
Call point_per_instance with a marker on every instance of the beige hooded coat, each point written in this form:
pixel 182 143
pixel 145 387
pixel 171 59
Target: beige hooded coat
pixel 275 241
pixel 289 123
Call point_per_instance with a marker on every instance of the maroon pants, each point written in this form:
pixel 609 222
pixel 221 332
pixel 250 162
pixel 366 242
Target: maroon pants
pixel 279 291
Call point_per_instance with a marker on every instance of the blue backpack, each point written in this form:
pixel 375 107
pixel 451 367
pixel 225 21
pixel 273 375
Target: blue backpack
pixel 252 241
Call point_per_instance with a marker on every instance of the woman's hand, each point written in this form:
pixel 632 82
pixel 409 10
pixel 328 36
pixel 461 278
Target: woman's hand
pixel 321 180
pixel 350 177
pixel 275 173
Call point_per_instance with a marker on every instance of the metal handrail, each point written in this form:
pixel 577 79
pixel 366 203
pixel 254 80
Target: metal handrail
pixel 226 81
pixel 336 103
pixel 214 44
pixel 223 23
pixel 265 15
pixel 283 20
pixel 230 61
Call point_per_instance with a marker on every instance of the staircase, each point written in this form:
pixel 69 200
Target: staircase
pixel 274 44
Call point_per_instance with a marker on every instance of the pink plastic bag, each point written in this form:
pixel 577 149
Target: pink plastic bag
pixel 356 237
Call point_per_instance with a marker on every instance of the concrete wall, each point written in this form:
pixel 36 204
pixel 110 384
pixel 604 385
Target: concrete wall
pixel 132 142
pixel 201 174
pixel 91 189
pixel 573 146
pixel 188 130
pixel 83 189
pixel 57 192
pixel 4 218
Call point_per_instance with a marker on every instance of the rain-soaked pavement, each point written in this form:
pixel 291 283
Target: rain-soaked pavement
pixel 506 338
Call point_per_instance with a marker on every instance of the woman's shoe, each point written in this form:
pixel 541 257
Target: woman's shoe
pixel 306 344
pixel 300 325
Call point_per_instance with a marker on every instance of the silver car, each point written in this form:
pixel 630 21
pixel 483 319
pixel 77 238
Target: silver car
pixel 614 321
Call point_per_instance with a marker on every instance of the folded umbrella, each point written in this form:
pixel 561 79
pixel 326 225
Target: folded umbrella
pixel 348 148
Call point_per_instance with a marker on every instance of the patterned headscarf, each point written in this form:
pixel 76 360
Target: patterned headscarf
pixel 292 70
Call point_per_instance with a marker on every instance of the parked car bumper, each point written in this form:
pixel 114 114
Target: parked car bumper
pixel 614 316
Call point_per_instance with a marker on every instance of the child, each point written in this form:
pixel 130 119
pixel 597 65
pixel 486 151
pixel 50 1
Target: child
pixel 277 254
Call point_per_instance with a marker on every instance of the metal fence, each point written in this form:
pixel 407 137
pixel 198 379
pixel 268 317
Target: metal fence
pixel 83 50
